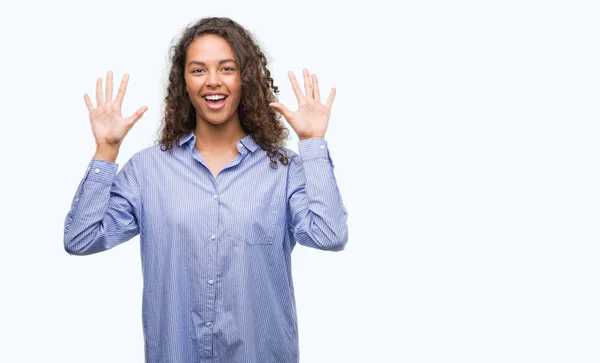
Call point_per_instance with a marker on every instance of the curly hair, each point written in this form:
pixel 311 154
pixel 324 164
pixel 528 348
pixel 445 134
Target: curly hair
pixel 258 90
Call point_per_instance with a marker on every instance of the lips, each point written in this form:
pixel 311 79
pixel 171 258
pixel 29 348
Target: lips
pixel 215 105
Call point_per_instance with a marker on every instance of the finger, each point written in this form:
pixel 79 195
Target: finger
pixel 109 86
pixel 296 86
pixel 99 101
pixel 137 115
pixel 331 98
pixel 88 102
pixel 308 84
pixel 282 109
pixel 122 89
pixel 316 91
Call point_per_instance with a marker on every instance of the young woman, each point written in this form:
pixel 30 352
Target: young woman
pixel 219 202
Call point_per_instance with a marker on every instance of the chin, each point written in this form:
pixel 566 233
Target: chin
pixel 216 120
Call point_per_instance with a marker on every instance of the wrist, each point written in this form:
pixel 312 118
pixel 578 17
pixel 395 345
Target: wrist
pixel 107 152
pixel 301 138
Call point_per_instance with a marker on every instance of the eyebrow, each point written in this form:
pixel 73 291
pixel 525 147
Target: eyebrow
pixel 204 64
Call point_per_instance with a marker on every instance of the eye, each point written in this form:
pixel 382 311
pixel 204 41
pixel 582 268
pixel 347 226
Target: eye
pixel 229 68
pixel 194 71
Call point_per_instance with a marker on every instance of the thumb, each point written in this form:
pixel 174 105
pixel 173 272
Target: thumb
pixel 281 108
pixel 137 115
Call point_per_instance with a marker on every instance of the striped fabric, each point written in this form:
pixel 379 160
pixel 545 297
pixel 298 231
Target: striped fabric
pixel 215 252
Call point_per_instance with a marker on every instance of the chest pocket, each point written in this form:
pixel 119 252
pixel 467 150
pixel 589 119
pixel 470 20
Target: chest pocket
pixel 253 219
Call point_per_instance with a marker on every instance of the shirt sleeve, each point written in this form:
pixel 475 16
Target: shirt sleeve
pixel 105 211
pixel 316 214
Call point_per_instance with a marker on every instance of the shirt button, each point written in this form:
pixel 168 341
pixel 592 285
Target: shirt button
pixel 212 236
pixel 97 171
pixel 76 199
pixel 89 167
pixel 214 196
pixel 322 146
pixel 208 324
pixel 240 144
pixel 210 282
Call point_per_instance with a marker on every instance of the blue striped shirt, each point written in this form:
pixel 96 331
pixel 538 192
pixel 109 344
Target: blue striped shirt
pixel 215 252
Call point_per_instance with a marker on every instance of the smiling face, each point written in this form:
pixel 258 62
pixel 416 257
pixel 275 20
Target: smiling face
pixel 213 80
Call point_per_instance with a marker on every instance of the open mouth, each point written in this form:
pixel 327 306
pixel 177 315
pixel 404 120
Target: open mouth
pixel 215 102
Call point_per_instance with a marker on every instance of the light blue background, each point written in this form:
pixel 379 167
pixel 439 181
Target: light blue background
pixel 465 139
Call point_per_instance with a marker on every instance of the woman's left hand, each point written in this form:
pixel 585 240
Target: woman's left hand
pixel 312 117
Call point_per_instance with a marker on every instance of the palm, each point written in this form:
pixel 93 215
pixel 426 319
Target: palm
pixel 108 124
pixel 312 117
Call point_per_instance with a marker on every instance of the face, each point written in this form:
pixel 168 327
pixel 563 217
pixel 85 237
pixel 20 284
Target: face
pixel 213 79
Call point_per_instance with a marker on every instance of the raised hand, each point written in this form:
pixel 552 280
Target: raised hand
pixel 312 117
pixel 108 125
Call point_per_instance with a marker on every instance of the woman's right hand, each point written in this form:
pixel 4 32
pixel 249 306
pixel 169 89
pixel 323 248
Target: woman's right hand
pixel 108 124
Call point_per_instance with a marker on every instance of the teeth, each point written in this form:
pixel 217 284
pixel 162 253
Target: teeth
pixel 214 97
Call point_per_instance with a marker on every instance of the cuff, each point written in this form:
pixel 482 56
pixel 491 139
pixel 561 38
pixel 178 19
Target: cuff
pixel 313 148
pixel 102 171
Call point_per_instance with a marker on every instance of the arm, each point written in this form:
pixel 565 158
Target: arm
pixel 106 208
pixel 316 214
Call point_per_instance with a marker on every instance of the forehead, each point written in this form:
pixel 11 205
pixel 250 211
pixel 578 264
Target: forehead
pixel 209 48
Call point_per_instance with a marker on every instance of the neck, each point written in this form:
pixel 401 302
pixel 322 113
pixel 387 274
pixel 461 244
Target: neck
pixel 218 138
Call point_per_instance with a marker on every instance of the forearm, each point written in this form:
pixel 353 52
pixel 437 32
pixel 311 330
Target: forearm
pixel 322 223
pixel 101 215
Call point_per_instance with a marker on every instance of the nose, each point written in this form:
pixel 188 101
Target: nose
pixel 213 79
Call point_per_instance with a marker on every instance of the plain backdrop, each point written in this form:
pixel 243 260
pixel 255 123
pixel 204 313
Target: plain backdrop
pixel 465 141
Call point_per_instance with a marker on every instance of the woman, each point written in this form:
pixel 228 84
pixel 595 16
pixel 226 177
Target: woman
pixel 218 217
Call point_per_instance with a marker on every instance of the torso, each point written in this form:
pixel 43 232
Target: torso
pixel 216 163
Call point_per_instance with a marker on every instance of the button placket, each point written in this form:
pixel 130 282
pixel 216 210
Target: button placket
pixel 210 307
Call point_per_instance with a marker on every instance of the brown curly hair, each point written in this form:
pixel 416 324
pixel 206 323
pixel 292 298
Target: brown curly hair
pixel 256 117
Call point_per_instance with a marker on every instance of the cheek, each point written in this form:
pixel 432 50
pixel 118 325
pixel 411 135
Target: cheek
pixel 236 88
pixel 236 84
pixel 238 95
pixel 193 87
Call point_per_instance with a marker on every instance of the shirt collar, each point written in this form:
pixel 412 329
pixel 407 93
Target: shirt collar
pixel 187 138
pixel 249 143
pixel 190 138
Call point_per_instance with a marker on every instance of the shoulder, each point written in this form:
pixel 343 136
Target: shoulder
pixel 294 161
pixel 153 152
pixel 290 154
pixel 151 158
